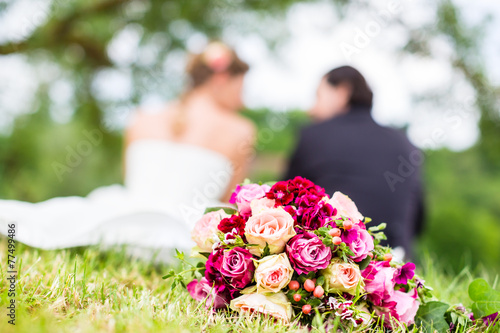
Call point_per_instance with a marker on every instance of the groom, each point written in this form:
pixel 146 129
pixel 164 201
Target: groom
pixel 345 150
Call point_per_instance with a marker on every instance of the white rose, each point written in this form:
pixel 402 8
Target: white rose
pixel 276 305
pixel 273 273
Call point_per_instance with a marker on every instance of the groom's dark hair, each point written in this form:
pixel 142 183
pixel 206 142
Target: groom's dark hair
pixel 361 94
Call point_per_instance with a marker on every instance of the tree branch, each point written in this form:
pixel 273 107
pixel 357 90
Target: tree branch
pixel 60 30
pixel 13 48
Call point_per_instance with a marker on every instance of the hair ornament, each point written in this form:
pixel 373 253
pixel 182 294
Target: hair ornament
pixel 217 56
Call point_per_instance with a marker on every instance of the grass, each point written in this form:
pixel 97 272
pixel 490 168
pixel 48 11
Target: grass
pixel 88 290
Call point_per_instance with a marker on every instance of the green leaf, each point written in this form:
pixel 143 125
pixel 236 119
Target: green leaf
pixel 227 210
pixel 314 302
pixel 179 255
pixel 364 263
pixel 266 251
pixel 486 299
pixel 320 281
pixel 318 322
pixel 205 254
pixel 302 278
pixel 431 317
pixel 175 282
pixel 379 227
pixel 327 241
pixel 169 274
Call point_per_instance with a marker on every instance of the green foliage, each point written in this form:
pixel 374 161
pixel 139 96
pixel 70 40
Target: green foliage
pixel 364 263
pixel 377 233
pixel 486 299
pixel 458 318
pixel 227 210
pixel 462 210
pixel 431 317
pixel 266 251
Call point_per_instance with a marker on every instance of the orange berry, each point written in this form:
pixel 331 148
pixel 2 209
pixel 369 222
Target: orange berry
pixel 306 309
pixel 309 285
pixel 294 285
pixel 297 297
pixel 334 232
pixel 319 292
pixel 347 225
pixel 387 257
pixel 336 240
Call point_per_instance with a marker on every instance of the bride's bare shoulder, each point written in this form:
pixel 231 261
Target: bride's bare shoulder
pixel 243 128
pixel 149 122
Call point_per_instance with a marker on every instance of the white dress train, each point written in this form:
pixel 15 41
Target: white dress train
pixel 167 188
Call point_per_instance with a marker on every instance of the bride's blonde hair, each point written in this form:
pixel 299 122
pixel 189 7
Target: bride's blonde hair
pixel 216 58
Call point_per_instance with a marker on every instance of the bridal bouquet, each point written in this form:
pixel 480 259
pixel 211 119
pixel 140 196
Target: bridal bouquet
pixel 292 252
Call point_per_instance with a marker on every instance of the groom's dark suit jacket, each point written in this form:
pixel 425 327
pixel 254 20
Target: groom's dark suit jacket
pixel 375 166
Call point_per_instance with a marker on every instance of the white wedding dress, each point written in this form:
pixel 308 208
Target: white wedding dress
pixel 167 188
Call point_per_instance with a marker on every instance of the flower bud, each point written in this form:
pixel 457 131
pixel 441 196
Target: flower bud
pixel 309 285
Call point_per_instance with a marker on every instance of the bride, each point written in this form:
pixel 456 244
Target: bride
pixel 177 162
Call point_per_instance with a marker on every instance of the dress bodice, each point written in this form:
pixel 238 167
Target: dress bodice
pixel 176 172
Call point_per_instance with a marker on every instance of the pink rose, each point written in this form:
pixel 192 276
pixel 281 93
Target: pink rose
pixel 244 195
pixel 379 281
pixel 273 227
pixel 237 267
pixel 307 253
pixel 205 229
pixel 406 305
pixel 273 273
pixel 341 276
pixel 359 241
pixel 276 305
pixel 345 207
pixel 202 290
pixel 259 205
pixel 401 306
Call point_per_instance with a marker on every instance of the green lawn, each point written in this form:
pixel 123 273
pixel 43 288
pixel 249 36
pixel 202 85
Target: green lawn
pixel 87 290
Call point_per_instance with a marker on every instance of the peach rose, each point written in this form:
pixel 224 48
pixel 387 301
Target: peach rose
pixel 341 276
pixel 260 205
pixel 273 227
pixel 273 273
pixel 276 305
pixel 345 207
pixel 205 229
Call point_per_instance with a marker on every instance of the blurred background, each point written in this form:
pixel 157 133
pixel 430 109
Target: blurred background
pixel 73 71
